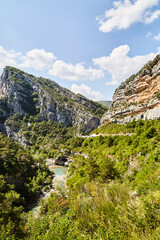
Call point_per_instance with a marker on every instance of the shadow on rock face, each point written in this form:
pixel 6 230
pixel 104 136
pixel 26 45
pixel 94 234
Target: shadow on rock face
pixel 2 129
pixel 92 124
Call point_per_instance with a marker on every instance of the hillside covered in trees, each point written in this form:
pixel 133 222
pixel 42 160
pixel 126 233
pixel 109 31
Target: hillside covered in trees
pixel 113 188
pixel 113 184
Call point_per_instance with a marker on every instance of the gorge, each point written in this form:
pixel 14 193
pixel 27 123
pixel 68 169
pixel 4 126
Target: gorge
pixel 113 169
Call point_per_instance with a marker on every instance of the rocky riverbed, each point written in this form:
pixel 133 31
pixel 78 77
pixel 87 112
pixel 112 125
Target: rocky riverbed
pixel 59 180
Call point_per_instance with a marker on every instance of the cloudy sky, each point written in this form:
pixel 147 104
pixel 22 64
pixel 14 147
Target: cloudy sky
pixel 87 46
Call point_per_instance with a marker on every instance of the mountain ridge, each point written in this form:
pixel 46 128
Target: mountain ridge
pixel 23 93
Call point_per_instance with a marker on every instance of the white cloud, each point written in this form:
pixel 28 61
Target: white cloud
pixel 120 65
pixel 112 83
pixel 75 72
pixel 152 16
pixel 157 37
pixel 87 92
pixel 37 59
pixel 124 14
pixel 8 58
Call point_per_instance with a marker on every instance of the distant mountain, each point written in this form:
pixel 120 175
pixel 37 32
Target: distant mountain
pixel 105 103
pixel 24 93
pixel 138 97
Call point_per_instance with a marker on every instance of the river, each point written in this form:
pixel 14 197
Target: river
pixel 59 177
pixel 58 181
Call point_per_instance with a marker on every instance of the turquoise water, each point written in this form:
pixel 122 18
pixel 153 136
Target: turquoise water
pixel 59 171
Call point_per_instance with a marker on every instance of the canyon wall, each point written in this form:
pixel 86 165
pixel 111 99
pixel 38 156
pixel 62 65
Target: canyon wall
pixel 138 97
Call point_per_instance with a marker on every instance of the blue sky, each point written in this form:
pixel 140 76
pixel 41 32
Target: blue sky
pixel 88 46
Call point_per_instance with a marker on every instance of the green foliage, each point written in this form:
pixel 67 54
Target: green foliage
pixel 10 220
pixel 21 181
pixel 111 128
pixel 97 212
pixel 113 183
pixel 45 136
pixel 113 188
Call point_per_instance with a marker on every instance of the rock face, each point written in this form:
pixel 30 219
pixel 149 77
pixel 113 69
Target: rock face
pixel 16 134
pixel 26 94
pixel 138 97
pixel 92 124
pixel 61 160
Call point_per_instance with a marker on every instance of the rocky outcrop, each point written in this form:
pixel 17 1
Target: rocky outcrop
pixel 138 97
pixel 92 124
pixel 26 94
pixel 62 160
pixel 16 135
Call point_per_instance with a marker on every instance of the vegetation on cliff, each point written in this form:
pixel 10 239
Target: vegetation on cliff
pixel 25 93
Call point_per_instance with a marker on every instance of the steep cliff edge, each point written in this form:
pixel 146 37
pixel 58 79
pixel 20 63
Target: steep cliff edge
pixel 138 97
pixel 26 94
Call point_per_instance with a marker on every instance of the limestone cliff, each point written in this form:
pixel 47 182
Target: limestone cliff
pixel 26 94
pixel 138 97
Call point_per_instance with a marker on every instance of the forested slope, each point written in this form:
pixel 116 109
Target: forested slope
pixel 21 182
pixel 113 188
